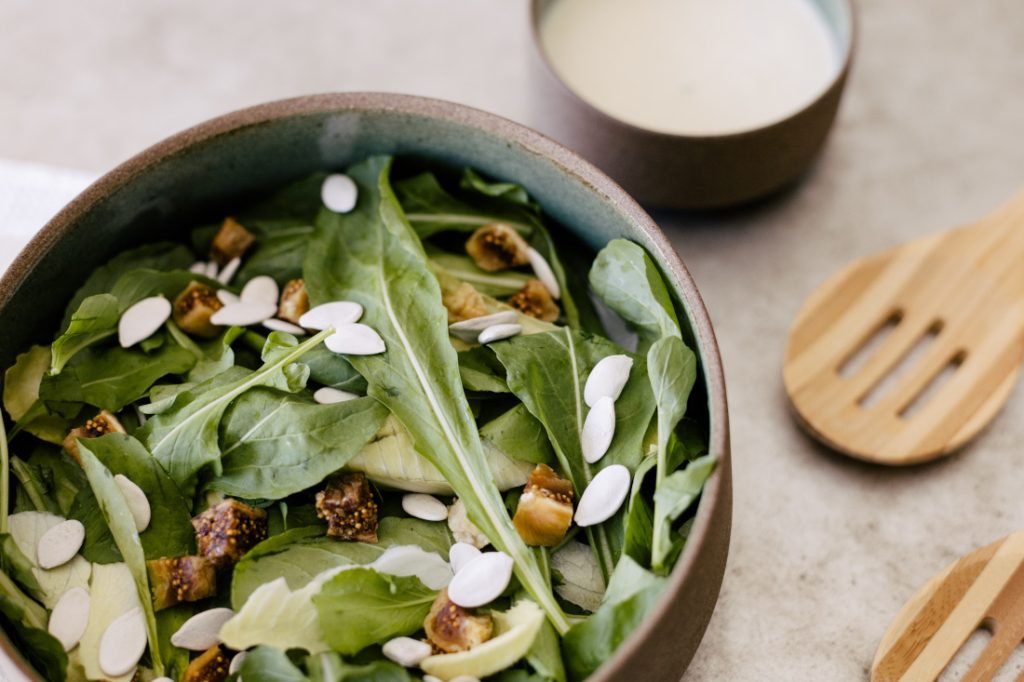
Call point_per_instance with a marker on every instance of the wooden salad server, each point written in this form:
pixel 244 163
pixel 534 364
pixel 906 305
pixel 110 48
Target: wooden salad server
pixel 904 356
pixel 984 589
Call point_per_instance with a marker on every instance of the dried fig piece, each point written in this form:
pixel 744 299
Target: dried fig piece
pixel 193 308
pixel 231 241
pixel 451 628
pixel 181 578
pixel 497 246
pixel 348 506
pixel 294 301
pixel 544 512
pixel 464 303
pixel 226 531
pixel 209 666
pixel 535 300
pixel 102 424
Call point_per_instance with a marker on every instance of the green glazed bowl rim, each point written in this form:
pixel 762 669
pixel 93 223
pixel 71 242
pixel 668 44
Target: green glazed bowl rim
pixel 717 491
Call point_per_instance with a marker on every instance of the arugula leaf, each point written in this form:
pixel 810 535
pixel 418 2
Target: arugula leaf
pixel 360 607
pixel 275 444
pixel 548 372
pixel 674 496
pixel 21 396
pixel 330 369
pixel 122 526
pixel 417 378
pixel 170 531
pixel 111 378
pixel 161 255
pixel 638 522
pixel 632 593
pixel 270 665
pixel 627 280
pixel 672 368
pixel 95 320
pixel 25 622
pixel 520 434
pixel 580 579
pixel 430 209
pixel 183 438
pixel 169 621
pixel 329 667
pixel 18 567
pixel 545 655
pixel 480 371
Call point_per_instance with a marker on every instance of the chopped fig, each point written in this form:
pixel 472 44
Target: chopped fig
pixel 464 303
pixel 294 301
pixel 226 531
pixel 348 506
pixel 451 628
pixel 182 578
pixel 545 508
pixel 102 424
pixel 497 246
pixel 535 300
pixel 193 308
pixel 209 666
pixel 232 241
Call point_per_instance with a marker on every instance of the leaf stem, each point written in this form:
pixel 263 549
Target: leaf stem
pixel 36 495
pixel 34 613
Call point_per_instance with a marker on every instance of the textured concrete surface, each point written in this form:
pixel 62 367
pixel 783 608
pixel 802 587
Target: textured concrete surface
pixel 931 134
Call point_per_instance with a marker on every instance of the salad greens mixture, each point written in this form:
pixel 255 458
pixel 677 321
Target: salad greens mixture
pixel 381 434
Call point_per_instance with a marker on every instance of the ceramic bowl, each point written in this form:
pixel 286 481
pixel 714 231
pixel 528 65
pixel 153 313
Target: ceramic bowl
pixel 151 195
pixel 693 171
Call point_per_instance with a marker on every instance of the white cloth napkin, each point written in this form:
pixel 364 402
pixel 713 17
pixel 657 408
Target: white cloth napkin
pixel 31 194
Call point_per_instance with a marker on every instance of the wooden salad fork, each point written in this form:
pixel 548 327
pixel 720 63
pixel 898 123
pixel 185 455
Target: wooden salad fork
pixel 904 356
pixel 984 589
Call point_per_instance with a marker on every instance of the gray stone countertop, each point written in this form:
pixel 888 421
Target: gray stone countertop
pixel 930 135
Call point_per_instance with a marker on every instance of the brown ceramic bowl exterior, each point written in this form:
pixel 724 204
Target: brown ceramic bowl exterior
pixel 267 145
pixel 681 171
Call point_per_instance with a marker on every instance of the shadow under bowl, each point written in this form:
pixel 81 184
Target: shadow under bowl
pixel 151 195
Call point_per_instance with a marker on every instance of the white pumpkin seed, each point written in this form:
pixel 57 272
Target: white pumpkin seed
pixel 339 193
pixel 331 314
pixel 262 289
pixel 227 274
pixel 608 378
pixel 431 678
pixel 481 580
pixel 199 267
pixel 423 506
pixel 141 320
pixel 406 560
pixel 469 330
pixel 243 314
pixel 226 297
pixel 598 430
pixel 236 662
pixel 202 630
pixel 355 339
pixel 460 554
pixel 498 332
pixel 69 617
pixel 138 503
pixel 60 544
pixel 465 678
pixel 123 643
pixel 544 273
pixel 406 651
pixel 212 269
pixel 163 679
pixel 330 396
pixel 603 497
pixel 276 325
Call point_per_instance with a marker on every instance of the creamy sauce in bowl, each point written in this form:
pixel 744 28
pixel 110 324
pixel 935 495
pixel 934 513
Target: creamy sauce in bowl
pixel 692 67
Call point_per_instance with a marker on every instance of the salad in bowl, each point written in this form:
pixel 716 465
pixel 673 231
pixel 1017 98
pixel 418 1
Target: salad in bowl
pixel 380 423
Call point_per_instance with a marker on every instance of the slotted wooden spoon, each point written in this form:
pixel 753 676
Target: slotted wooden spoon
pixel 965 290
pixel 982 589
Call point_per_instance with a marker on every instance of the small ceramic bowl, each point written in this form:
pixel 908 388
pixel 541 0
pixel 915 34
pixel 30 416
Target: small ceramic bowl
pixel 692 171
pixel 151 195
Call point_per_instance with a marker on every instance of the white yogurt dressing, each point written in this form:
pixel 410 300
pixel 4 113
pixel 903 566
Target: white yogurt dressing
pixel 692 66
